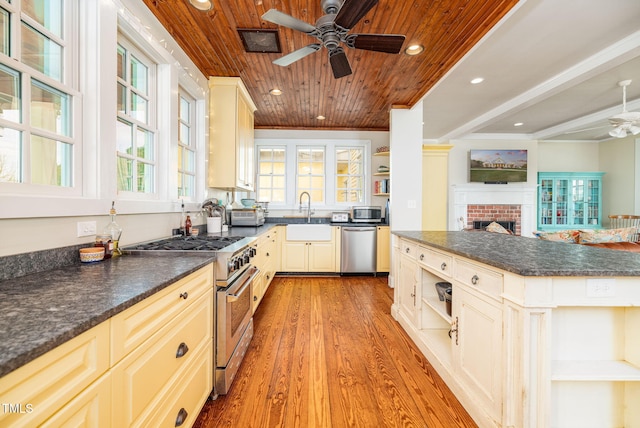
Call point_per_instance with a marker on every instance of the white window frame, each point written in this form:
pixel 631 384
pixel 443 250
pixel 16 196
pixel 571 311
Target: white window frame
pixel 68 85
pixel 330 146
pixel 258 175
pixel 149 126
pixel 192 144
pixel 93 38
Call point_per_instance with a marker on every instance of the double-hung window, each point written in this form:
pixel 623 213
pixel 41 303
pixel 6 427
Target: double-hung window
pixel 186 146
pixel 310 173
pixel 350 175
pixel 135 130
pixel 333 172
pixel 38 141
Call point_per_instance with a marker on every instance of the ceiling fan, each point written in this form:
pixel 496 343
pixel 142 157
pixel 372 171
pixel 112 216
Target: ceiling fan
pixel 627 121
pixel 332 29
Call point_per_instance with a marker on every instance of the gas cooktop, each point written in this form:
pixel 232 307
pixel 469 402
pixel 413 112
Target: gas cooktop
pixel 189 243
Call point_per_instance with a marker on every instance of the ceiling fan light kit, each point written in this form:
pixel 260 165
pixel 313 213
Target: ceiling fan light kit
pixel 203 5
pixel 332 29
pixel 627 121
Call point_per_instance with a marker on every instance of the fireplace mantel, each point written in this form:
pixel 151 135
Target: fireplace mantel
pixel 495 194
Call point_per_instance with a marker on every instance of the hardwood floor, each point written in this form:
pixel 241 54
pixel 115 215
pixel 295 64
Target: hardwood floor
pixel 327 353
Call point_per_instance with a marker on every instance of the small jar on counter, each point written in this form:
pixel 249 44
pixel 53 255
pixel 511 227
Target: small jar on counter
pixel 106 242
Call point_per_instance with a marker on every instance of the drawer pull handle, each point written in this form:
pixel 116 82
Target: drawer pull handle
pixel 267 254
pixel 475 279
pixel 182 416
pixel 443 266
pixel 454 329
pixel 421 257
pixel 184 295
pixel 182 350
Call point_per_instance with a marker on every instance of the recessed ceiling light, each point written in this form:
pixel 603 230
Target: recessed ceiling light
pixel 275 91
pixel 414 49
pixel 201 4
pixel 477 80
pixel 320 117
pixel 518 124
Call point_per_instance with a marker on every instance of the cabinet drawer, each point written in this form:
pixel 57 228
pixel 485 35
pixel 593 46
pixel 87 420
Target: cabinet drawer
pixel 441 263
pixel 91 408
pixel 47 383
pixel 408 249
pixel 138 323
pixel 186 396
pixel 479 278
pixel 141 379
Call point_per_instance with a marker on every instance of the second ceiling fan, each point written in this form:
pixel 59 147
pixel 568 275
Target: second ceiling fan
pixel 332 29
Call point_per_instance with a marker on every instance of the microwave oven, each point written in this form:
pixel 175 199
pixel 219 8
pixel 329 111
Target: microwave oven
pixel 366 214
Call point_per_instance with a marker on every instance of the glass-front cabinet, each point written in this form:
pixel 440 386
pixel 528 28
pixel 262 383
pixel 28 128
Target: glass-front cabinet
pixel 568 200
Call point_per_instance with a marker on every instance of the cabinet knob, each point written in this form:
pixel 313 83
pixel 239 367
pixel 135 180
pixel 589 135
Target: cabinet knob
pixel 182 416
pixel 421 257
pixel 184 295
pixel 475 279
pixel 182 350
pixel 267 254
pixel 406 250
pixel 443 266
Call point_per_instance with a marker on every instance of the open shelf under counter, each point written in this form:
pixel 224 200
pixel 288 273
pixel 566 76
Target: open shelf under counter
pixel 438 306
pixel 572 370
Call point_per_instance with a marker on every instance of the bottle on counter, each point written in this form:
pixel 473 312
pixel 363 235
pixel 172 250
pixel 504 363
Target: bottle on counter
pixel 187 226
pixel 114 230
pixel 105 241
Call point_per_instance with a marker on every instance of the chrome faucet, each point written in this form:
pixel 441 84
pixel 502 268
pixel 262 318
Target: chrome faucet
pixel 308 205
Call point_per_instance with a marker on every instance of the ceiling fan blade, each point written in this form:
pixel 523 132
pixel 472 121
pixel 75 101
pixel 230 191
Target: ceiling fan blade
pixel 352 11
pixel 388 43
pixel 339 63
pixel 296 55
pixel 277 17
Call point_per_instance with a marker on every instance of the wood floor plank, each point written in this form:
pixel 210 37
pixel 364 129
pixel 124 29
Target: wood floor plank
pixel 327 353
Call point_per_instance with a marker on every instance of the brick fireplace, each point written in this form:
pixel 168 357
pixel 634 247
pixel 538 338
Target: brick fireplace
pixel 479 215
pixel 502 203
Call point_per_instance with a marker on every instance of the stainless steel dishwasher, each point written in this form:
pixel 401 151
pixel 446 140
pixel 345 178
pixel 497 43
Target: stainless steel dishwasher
pixel 358 249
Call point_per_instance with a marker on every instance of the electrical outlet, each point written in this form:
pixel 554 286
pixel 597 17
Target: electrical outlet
pixel 86 228
pixel 601 287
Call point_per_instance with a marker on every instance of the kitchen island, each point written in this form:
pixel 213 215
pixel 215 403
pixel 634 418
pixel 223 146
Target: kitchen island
pixel 540 334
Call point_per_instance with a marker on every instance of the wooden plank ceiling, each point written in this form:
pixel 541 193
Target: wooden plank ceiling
pixel 446 28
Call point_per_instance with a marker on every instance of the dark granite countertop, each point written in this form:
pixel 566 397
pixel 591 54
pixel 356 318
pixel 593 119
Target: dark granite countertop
pixel 530 257
pixel 41 311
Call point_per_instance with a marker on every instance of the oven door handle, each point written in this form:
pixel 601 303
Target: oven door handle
pixel 234 297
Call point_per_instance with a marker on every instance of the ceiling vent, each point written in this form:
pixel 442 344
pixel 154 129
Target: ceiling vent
pixel 260 41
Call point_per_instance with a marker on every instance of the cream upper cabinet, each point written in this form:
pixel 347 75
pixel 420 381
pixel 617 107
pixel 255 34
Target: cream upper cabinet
pixel 231 140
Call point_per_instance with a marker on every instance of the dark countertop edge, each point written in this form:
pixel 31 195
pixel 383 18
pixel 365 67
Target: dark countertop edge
pixel 538 271
pixel 36 351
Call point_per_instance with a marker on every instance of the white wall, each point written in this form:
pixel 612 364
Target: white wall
pixel 406 168
pixel 618 158
pixel 568 157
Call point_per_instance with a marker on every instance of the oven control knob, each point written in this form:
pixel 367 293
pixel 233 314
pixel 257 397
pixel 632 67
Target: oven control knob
pixel 252 251
pixel 230 266
pixel 239 262
pixel 245 259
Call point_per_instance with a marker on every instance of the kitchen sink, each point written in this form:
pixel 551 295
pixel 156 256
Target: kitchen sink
pixel 308 232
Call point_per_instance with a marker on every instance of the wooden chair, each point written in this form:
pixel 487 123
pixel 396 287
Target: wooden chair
pixel 618 221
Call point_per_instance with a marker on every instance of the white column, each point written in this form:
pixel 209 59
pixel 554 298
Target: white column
pixel 405 143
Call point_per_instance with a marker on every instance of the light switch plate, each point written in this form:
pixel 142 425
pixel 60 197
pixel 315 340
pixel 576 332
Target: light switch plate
pixel 86 228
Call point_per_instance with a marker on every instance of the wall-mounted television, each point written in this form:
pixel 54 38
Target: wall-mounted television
pixel 497 166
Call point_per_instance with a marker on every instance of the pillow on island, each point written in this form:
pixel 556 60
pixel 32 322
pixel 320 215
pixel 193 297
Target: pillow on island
pixel 624 234
pixel 570 236
pixel 497 228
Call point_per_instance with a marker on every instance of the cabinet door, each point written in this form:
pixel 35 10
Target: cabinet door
pixel 294 256
pixel 477 347
pixel 407 287
pixel 322 256
pixel 383 260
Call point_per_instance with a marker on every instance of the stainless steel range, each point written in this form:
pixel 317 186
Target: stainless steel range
pixel 233 276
